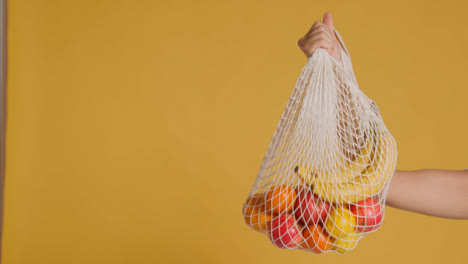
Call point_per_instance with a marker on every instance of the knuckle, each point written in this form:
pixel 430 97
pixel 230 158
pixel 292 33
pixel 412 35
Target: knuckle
pixel 312 48
pixel 323 29
pixel 300 42
pixel 306 48
pixel 320 35
pixel 317 24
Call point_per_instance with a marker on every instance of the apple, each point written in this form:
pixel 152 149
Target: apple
pixel 368 215
pixel 310 209
pixel 285 232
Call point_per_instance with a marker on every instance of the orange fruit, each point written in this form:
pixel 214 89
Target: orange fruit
pixel 255 200
pixel 316 240
pixel 259 219
pixel 281 198
pixel 256 214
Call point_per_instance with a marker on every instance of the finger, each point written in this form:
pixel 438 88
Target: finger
pixel 314 33
pixel 316 46
pixel 314 26
pixel 328 20
pixel 310 44
pixel 320 30
pixel 311 47
pixel 317 23
pixel 325 43
pixel 318 38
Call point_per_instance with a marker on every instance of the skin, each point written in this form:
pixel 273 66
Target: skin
pixel 321 35
pixel 439 193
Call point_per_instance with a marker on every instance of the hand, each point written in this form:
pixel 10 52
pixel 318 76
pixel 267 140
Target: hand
pixel 321 35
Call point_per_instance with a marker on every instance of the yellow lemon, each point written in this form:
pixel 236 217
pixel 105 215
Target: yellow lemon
pixel 345 244
pixel 340 223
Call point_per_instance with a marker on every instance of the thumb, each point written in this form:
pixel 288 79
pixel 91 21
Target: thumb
pixel 328 20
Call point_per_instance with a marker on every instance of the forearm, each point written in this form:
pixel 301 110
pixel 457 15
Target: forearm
pixel 441 193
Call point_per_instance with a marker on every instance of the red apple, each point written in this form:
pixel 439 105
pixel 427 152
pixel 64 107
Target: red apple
pixel 285 232
pixel 310 209
pixel 368 215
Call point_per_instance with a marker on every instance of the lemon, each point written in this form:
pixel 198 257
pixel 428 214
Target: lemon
pixel 340 223
pixel 345 244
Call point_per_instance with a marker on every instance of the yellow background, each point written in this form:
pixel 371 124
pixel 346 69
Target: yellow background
pixel 136 128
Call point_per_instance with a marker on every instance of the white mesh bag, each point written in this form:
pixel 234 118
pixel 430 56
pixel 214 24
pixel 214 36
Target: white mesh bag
pixel 323 182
